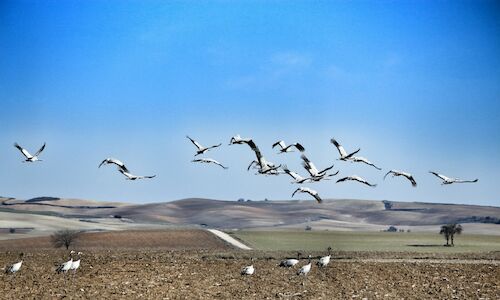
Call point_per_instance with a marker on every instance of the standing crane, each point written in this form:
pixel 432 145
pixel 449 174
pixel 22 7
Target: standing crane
pixel 15 267
pixel 65 266
pixel 325 260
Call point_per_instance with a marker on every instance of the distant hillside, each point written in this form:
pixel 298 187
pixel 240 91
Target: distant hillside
pixel 255 214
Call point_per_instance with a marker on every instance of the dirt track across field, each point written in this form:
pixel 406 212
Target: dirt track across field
pixel 228 239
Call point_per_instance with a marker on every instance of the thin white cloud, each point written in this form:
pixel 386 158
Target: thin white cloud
pixel 291 59
pixel 272 69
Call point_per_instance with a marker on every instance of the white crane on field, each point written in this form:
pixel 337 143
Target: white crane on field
pixel 15 267
pixel 448 180
pixel 342 152
pixel 114 161
pixel 27 155
pixel 65 266
pixel 134 177
pixel 313 171
pixel 248 270
pixel 238 140
pixel 308 191
pixel 209 161
pixel 200 148
pixel 325 260
pixel 264 166
pixel 290 262
pixel 285 148
pixel 305 269
pixel 75 264
pixel 356 178
pixel 404 174
pixel 363 160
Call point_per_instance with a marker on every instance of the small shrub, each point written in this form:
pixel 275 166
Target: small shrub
pixel 392 229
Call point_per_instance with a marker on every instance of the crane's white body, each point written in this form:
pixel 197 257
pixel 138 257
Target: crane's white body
pixel 305 269
pixel 285 148
pixel 264 166
pixel 201 149
pixel 363 160
pixel 76 263
pixel 448 180
pixel 27 155
pixel 238 140
pixel 65 266
pixel 343 154
pixel 356 178
pixel 296 177
pixel 289 262
pixel 408 176
pixel 324 261
pixel 14 267
pixel 248 270
pixel 208 161
pixel 308 191
pixel 313 171
pixel 114 161
pixel 134 177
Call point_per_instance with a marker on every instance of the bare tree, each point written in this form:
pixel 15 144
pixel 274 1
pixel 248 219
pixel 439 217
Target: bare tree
pixel 65 238
pixel 449 232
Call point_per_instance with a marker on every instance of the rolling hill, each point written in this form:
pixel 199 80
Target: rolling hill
pixel 46 214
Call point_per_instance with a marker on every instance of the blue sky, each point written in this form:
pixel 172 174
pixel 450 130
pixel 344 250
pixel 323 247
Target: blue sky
pixel 415 84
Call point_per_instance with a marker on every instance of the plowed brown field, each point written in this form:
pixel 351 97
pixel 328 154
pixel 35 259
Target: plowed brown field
pixel 212 272
pixel 182 239
pixel 199 275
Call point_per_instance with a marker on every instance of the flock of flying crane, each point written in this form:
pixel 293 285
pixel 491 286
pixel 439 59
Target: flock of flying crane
pixel 265 167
